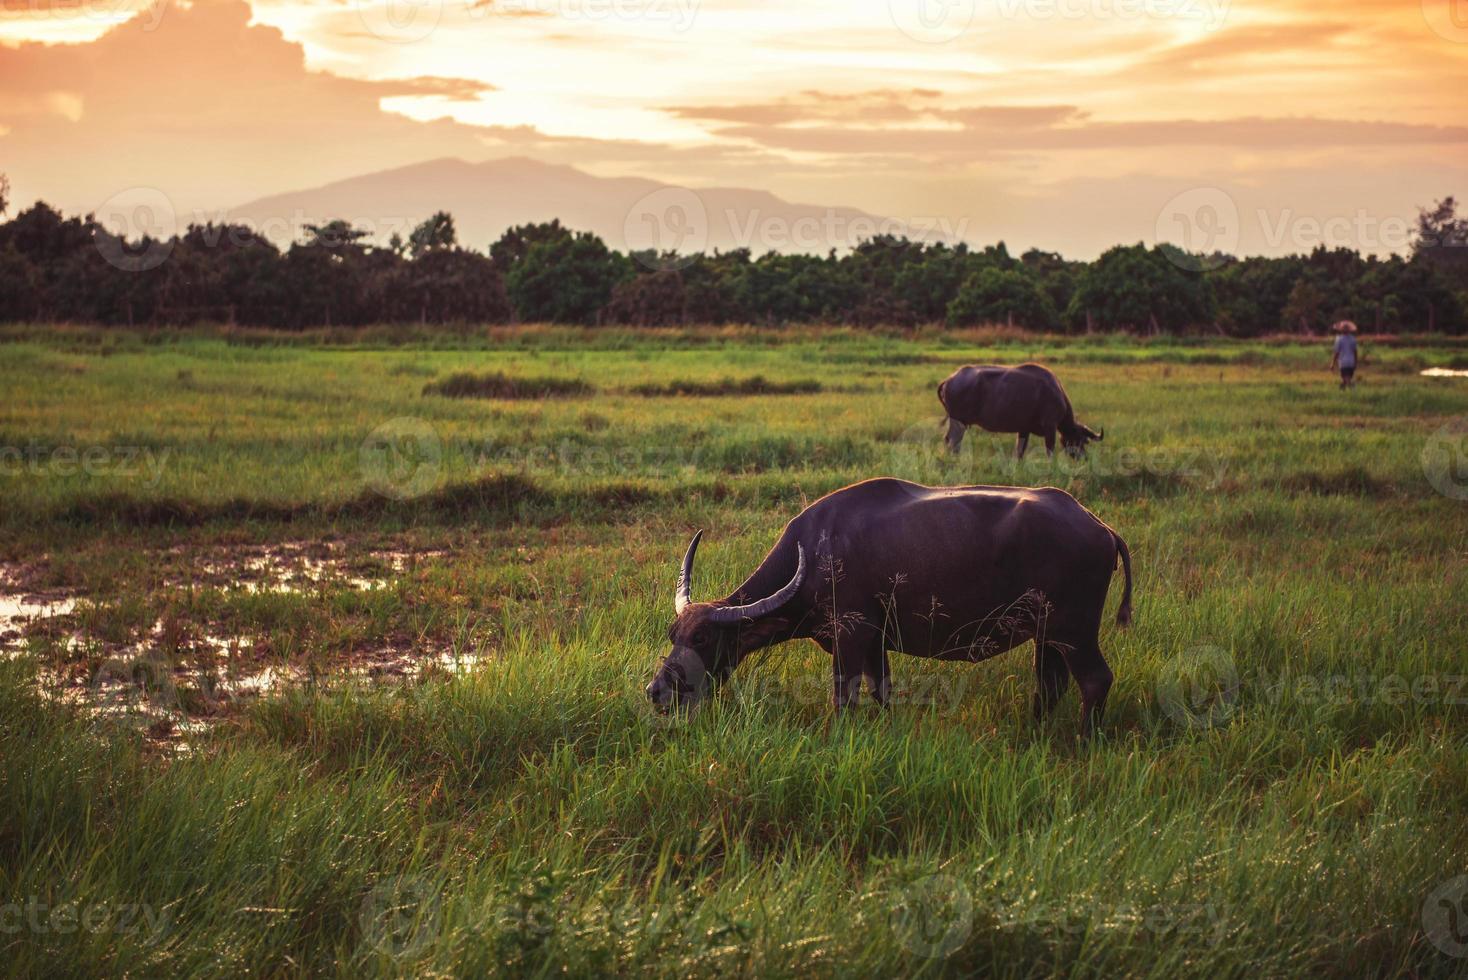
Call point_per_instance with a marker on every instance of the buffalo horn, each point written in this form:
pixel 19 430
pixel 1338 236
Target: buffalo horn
pixel 685 577
pixel 733 614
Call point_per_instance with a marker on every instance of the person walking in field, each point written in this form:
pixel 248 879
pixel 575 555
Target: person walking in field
pixel 1344 355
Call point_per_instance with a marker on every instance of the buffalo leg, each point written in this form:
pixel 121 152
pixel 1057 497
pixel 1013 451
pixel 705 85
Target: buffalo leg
pixel 1052 677
pixel 1050 443
pixel 1093 677
pixel 877 674
pixel 1020 444
pixel 846 664
pixel 953 438
pixel 853 660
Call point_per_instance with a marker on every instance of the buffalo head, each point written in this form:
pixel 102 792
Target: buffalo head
pixel 705 637
pixel 1075 437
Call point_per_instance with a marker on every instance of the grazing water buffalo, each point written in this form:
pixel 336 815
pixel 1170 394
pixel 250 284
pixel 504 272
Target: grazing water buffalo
pixel 1027 400
pixel 955 573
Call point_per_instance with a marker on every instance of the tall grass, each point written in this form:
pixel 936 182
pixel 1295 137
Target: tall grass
pixel 1278 790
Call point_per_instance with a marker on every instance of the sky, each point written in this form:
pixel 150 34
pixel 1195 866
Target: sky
pixel 1070 125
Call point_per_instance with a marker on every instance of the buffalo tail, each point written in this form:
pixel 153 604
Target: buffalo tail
pixel 1124 611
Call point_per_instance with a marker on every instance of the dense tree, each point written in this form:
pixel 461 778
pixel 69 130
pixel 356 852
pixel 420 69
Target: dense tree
pixel 435 234
pixel 1009 296
pixel 1305 309
pixel 653 299
pixel 925 287
pixel 1056 276
pixel 21 287
pixel 565 278
pixel 1131 287
pixel 55 268
pixel 44 236
pixel 451 285
pixel 517 241
pixel 1440 231
pixel 1252 293
pixel 1441 245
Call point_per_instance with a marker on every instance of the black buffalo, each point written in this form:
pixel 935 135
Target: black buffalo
pixel 956 573
pixel 1027 400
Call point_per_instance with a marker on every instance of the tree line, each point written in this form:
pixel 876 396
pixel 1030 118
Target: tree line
pixel 59 269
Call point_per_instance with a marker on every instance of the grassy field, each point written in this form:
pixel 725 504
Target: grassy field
pixel 344 673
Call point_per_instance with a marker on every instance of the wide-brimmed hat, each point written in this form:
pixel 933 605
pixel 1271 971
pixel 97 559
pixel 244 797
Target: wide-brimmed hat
pixel 1344 326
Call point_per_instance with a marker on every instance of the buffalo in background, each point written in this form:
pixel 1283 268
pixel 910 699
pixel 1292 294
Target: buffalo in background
pixel 1027 400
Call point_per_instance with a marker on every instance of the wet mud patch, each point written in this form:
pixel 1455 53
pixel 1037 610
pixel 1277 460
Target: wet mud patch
pixel 175 703
pixel 754 385
pixel 22 604
pixel 296 566
pixel 503 387
pixel 220 626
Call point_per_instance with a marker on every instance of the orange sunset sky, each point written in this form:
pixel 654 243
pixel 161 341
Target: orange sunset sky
pixel 1066 124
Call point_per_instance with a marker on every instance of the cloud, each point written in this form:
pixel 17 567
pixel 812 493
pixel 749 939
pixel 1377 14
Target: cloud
pixel 1019 118
pixel 922 125
pixel 201 104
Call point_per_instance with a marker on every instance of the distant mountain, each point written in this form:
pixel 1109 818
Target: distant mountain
pixel 627 212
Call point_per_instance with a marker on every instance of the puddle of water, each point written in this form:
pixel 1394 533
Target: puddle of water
pixel 175 703
pixel 1445 373
pixel 20 608
pixel 141 691
pixel 298 584
pixel 262 681
pixel 393 665
pixel 298 567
